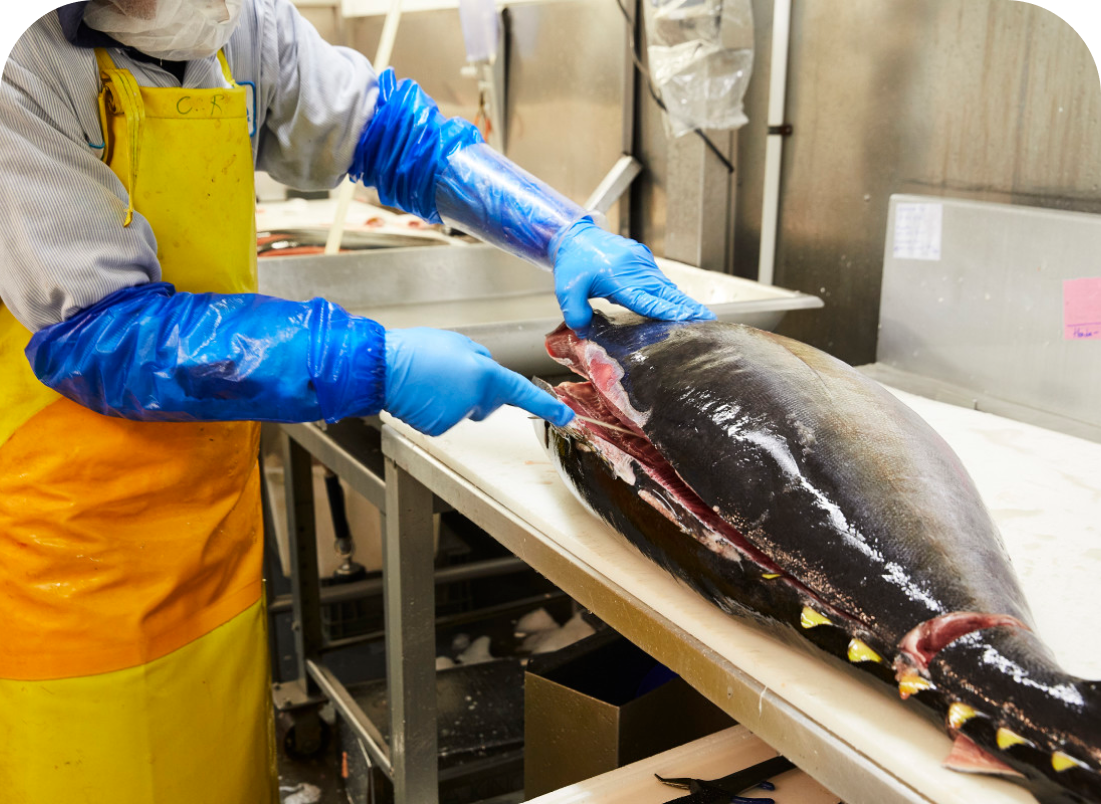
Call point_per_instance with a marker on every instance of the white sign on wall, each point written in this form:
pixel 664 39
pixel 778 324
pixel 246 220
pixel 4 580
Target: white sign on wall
pixel 918 229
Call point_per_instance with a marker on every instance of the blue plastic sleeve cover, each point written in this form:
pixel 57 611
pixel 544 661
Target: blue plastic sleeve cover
pixel 440 169
pixel 151 354
pixel 482 192
pixel 404 145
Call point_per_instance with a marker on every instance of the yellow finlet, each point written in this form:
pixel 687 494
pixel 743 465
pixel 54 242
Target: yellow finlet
pixel 812 619
pixel 1007 738
pixel 860 652
pixel 910 684
pixel 1062 762
pixel 771 576
pixel 958 714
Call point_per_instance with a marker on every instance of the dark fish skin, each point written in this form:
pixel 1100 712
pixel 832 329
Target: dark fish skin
pixel 736 587
pixel 870 516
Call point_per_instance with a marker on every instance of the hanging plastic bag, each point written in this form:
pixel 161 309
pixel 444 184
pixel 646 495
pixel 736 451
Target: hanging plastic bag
pixel 701 57
pixel 479 21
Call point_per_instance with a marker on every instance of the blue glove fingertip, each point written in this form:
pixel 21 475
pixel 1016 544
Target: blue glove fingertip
pixel 576 311
pixel 563 416
pixel 651 306
pixel 583 332
pixel 695 313
pixel 692 310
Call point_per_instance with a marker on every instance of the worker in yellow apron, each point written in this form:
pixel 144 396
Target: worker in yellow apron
pixel 136 357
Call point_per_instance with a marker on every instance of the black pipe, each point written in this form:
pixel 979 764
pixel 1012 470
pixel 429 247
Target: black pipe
pixel 372 587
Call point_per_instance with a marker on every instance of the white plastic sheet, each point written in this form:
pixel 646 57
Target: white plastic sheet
pixel 701 58
pixel 479 21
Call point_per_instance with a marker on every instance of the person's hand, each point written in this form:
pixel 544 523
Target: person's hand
pixel 436 378
pixel 593 263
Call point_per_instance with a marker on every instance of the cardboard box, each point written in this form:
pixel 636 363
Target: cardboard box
pixel 600 704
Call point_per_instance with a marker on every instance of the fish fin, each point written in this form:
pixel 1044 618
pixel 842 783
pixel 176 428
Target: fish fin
pixel 966 757
pixel 1061 762
pixel 958 714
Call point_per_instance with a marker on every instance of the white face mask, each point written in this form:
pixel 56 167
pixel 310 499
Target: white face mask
pixel 177 30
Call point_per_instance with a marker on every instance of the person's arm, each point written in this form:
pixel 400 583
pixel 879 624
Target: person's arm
pixel 109 335
pixel 313 98
pixel 442 170
pixel 151 354
pixel 324 104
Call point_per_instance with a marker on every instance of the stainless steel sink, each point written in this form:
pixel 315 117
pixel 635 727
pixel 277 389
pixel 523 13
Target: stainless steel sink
pixel 498 300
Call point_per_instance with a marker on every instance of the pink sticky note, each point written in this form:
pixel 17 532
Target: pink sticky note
pixel 1082 308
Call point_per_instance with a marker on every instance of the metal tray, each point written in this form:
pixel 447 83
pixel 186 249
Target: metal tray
pixel 497 299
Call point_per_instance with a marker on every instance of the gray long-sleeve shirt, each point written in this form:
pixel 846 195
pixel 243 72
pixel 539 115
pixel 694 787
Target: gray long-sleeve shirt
pixel 62 247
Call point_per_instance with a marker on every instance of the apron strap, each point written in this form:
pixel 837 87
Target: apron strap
pixel 121 94
pixel 225 68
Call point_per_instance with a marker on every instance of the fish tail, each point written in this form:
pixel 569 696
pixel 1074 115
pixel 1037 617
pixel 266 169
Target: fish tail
pixel 1014 712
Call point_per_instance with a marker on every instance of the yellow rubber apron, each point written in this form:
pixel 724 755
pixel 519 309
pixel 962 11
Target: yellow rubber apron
pixel 133 657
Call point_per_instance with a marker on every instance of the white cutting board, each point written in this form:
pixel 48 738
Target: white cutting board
pixel 1043 488
pixel 711 757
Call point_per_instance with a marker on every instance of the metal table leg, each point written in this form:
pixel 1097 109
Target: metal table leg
pixel 305 583
pixel 409 599
pixel 298 701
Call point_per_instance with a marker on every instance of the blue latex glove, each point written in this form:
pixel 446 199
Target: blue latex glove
pixel 436 378
pixel 591 263
pixel 151 354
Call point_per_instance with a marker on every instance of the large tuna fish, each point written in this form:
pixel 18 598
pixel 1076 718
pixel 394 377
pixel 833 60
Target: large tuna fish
pixel 779 482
